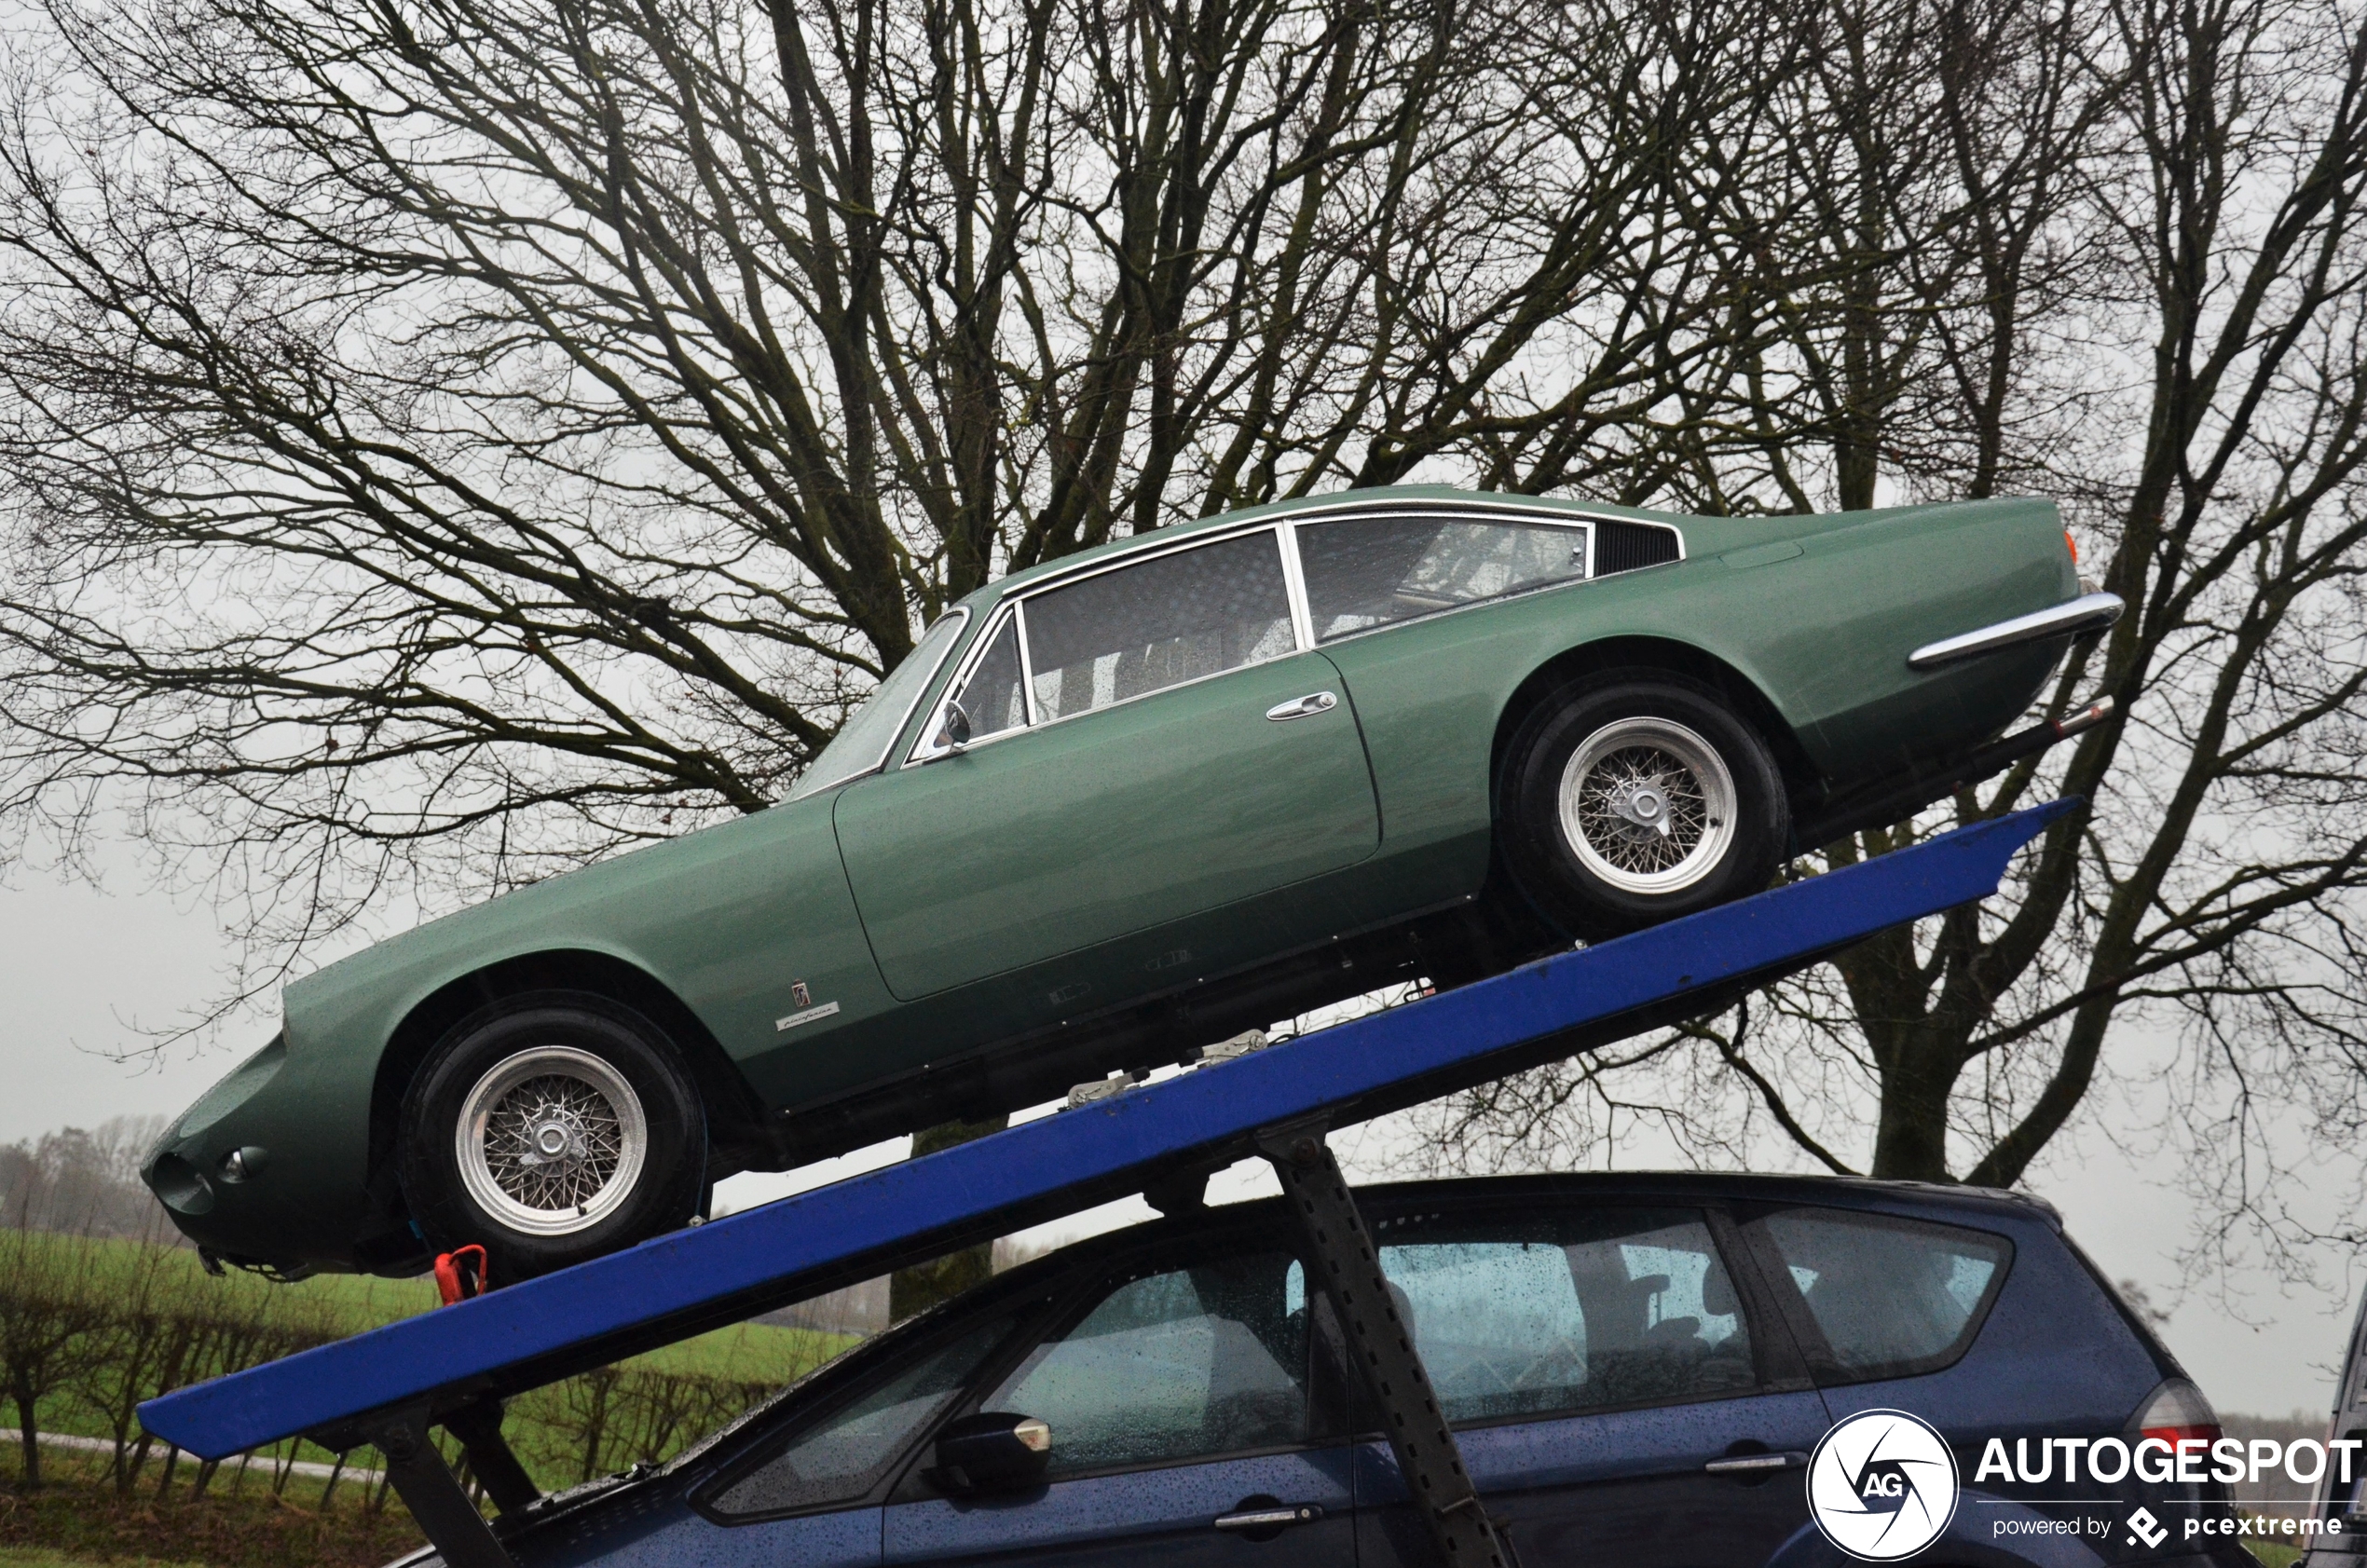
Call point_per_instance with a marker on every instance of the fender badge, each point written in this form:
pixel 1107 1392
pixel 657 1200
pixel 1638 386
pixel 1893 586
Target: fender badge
pixel 800 994
pixel 811 1015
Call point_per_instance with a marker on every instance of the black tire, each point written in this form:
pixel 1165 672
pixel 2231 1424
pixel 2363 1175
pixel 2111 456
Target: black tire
pixel 1572 832
pixel 583 1072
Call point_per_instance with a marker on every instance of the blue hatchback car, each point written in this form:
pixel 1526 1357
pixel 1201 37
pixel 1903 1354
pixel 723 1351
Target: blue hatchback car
pixel 1638 1367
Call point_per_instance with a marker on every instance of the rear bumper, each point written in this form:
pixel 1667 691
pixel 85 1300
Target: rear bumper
pixel 2073 618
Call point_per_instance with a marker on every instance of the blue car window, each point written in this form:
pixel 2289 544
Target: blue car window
pixel 1157 623
pixel 1176 1364
pixel 1363 572
pixel 1558 1312
pixel 1892 1298
pixel 840 1456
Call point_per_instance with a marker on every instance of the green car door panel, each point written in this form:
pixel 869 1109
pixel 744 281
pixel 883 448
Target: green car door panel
pixel 1084 845
pixel 1124 819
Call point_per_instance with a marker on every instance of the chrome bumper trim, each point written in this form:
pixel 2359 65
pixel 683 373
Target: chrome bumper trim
pixel 2089 612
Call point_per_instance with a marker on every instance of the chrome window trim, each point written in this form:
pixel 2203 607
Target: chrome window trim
pixel 1510 514
pixel 920 696
pixel 1294 583
pixel 1283 530
pixel 1006 611
pixel 1365 506
pixel 1137 557
pixel 1027 667
pixel 1017 603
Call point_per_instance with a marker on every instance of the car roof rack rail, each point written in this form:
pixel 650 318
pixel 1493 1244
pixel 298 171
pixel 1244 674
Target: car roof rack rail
pixel 453 1366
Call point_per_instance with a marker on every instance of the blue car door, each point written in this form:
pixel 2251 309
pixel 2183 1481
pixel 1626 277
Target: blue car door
pixel 806 1486
pixel 1177 1395
pixel 1613 1398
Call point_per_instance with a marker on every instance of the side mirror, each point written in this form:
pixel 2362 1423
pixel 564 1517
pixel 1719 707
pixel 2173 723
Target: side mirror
pixel 957 726
pixel 993 1451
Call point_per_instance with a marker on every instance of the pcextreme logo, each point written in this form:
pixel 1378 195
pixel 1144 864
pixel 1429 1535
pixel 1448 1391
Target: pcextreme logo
pixel 1882 1485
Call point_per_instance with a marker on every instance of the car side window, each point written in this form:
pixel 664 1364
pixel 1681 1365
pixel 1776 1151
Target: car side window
pixel 1157 623
pixel 839 1456
pixel 1892 1298
pixel 1558 1312
pixel 1363 572
pixel 1172 1365
pixel 993 696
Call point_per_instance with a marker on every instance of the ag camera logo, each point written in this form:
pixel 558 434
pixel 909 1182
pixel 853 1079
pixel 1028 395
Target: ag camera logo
pixel 1882 1485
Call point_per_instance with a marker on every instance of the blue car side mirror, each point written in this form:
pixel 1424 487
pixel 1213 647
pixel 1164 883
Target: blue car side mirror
pixel 993 1451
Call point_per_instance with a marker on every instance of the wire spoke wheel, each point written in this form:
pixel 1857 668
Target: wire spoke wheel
pixel 552 1140
pixel 1647 806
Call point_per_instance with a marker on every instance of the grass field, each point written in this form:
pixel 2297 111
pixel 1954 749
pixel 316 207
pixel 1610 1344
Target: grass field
pixel 134 1297
pixel 342 1304
pixel 42 1557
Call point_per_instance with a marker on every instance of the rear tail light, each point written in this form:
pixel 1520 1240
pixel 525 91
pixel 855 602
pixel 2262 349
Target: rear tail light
pixel 2073 545
pixel 2177 1413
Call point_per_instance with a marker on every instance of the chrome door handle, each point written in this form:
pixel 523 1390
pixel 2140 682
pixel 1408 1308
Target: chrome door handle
pixel 1754 1464
pixel 1270 1519
pixel 1303 707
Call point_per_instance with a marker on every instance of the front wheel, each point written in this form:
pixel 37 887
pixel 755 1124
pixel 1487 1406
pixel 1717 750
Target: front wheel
pixel 1636 798
pixel 551 1128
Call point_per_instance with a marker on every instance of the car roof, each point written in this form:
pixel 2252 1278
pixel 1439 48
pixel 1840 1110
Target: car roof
pixel 1918 1199
pixel 1384 495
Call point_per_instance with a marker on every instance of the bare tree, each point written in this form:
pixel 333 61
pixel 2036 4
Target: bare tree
pixel 2118 254
pixel 443 440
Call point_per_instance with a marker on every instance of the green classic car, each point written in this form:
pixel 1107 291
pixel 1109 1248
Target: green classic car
pixel 1119 808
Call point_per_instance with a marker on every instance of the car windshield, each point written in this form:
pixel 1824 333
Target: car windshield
pixel 863 740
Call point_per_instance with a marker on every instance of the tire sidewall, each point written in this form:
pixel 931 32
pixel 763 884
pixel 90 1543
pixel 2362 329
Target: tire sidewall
pixel 673 1170
pixel 1536 851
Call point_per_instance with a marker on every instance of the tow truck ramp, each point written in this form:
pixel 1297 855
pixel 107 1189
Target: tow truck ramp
pixel 454 1366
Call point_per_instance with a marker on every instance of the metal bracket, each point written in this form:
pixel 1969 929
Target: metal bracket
pixel 1348 1267
pixel 478 1425
pixel 450 1521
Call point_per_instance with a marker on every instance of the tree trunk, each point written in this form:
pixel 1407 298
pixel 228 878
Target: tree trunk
pixel 923 1286
pixel 30 1431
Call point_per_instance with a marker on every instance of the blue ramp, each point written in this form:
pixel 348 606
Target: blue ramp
pixel 695 1279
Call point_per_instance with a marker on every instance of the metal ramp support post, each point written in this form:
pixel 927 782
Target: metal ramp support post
pixel 1347 1266
pixel 429 1489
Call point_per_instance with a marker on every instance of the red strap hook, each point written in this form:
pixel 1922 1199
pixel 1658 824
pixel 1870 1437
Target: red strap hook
pixel 462 1272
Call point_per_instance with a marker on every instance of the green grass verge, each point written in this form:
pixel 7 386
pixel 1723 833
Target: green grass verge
pixel 78 1518
pixel 43 1556
pixel 721 1370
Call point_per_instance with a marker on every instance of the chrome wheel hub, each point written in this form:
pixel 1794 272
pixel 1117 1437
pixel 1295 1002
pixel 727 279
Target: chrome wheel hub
pixel 1641 804
pixel 1647 806
pixel 552 1140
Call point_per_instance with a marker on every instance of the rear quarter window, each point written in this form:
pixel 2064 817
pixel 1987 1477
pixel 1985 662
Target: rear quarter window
pixel 1887 1297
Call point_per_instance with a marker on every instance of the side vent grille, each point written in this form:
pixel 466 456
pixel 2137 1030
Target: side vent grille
pixel 1625 547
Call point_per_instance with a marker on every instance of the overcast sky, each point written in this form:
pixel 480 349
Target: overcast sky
pixel 82 972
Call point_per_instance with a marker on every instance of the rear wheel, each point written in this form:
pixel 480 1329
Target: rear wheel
pixel 551 1128
pixel 1637 797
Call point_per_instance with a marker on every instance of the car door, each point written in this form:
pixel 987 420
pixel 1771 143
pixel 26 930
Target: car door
pixel 806 1486
pixel 1612 1398
pixel 1146 745
pixel 1177 1392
